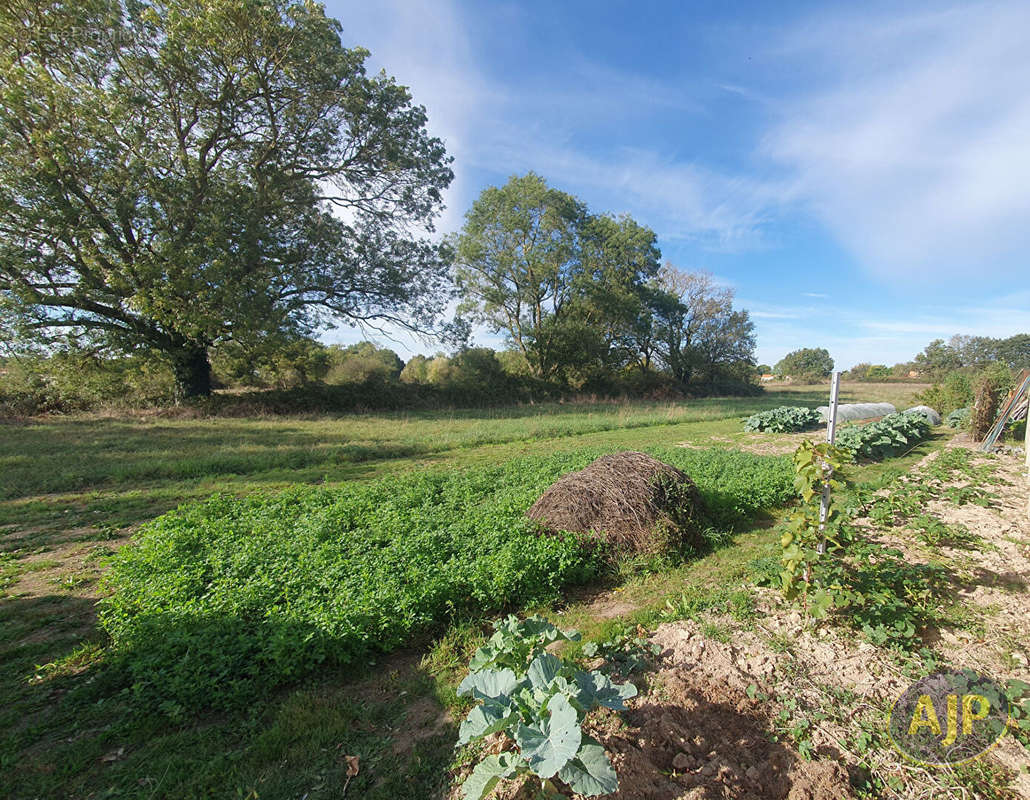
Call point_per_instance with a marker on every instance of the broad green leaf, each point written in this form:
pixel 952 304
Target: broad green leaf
pixel 544 669
pixel 484 719
pixel 590 773
pixel 551 746
pixel 488 683
pixel 597 689
pixel 486 776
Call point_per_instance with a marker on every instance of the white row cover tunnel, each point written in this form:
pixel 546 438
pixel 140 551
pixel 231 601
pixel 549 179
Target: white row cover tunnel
pixel 855 411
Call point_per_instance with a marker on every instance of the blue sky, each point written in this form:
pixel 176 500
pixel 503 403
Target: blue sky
pixel 859 174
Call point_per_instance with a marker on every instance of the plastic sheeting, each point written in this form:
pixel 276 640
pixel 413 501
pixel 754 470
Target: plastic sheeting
pixel 932 416
pixel 853 411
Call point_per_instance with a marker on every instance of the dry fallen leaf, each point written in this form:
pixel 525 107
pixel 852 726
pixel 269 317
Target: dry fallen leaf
pixel 352 770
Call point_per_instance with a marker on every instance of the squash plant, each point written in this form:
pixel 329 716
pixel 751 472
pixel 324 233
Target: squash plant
pixel 539 702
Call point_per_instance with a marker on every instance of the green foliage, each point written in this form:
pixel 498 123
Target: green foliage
pixel 695 601
pixel 735 485
pixel 172 168
pixel 71 380
pixel 894 434
pixel 539 701
pixel 785 419
pixel 581 296
pixel 876 589
pixel 959 418
pixel 1017 693
pixel 806 364
pixel 361 362
pixel 954 392
pixel 222 599
pixel 626 649
pixel 870 372
pixel 805 533
pixel 280 361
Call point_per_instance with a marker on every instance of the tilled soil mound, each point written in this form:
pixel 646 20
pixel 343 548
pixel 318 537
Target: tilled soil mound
pixel 630 500
pixel 698 736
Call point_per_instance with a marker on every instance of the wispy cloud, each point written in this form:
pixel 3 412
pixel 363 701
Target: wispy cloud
pixel 913 148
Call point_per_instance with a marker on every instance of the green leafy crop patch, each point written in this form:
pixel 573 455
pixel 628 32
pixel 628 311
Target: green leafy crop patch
pixel 886 437
pixel 225 598
pixel 785 419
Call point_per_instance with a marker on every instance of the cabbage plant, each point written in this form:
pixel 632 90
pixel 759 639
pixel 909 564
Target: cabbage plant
pixel 539 702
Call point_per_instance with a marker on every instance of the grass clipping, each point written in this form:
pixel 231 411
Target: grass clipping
pixel 630 501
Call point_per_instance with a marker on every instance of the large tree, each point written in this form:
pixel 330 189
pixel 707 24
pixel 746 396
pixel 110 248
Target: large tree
pixel 175 174
pixel 566 287
pixel 518 262
pixel 696 331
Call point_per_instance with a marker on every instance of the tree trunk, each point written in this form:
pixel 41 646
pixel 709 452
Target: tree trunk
pixel 192 372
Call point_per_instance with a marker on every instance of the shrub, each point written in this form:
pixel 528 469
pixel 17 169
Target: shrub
pixel 225 598
pixel 958 418
pixel 784 419
pixel 954 392
pixel 889 436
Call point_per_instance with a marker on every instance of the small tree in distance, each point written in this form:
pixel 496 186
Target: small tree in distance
pixel 806 364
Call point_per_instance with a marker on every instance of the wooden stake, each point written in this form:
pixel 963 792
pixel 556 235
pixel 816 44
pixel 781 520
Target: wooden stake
pixel 831 434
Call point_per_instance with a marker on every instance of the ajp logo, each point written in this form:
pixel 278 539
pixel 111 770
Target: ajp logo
pixel 949 717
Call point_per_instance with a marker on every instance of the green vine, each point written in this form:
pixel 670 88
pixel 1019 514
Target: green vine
pixel 818 470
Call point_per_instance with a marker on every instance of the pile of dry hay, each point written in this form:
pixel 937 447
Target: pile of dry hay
pixel 629 500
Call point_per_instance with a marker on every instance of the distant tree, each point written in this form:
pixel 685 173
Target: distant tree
pixel 1014 351
pixel 439 371
pixel 360 362
pixel 513 362
pixel 415 371
pixel 877 372
pixel 620 259
pixel 282 361
pixel 763 369
pixel 169 172
pixel 938 358
pixel 697 330
pixel 566 287
pixel 478 368
pixel 806 363
pixel 518 265
pixel 859 372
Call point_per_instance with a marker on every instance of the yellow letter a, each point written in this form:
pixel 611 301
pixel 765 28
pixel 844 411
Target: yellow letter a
pixel 924 716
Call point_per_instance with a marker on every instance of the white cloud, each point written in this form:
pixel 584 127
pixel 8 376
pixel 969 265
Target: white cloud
pixel 913 151
pixel 427 48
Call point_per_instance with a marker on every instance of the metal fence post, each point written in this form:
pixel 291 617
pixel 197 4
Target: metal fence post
pixel 831 434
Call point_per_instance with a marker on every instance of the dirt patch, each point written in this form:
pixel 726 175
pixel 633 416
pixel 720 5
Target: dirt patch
pixel 697 734
pixel 423 719
pixel 630 499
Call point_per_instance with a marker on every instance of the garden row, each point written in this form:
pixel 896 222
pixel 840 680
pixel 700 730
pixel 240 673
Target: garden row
pixel 889 436
pixel 221 600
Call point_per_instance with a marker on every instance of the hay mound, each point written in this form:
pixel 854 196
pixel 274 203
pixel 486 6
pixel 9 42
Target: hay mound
pixel 629 499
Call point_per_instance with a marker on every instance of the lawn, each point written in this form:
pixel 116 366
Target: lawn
pixel 75 489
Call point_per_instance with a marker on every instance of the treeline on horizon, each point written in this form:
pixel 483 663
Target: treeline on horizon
pixel 196 224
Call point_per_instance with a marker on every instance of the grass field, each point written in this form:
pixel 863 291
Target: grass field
pixel 75 489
